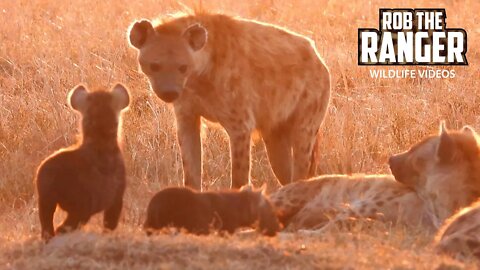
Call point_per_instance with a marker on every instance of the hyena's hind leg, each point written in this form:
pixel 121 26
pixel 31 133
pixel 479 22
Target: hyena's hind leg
pixel 303 153
pixel 279 150
pixel 72 222
pixel 309 118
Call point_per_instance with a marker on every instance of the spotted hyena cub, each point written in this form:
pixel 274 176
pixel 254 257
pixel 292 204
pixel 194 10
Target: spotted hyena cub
pixel 244 75
pixel 200 213
pixel 435 178
pixel 89 177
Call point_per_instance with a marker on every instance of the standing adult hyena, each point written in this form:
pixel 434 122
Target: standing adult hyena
pixel 88 178
pixel 245 75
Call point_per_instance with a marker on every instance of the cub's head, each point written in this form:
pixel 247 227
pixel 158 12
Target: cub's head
pixel 444 170
pixel 166 54
pixel 100 110
pixel 260 209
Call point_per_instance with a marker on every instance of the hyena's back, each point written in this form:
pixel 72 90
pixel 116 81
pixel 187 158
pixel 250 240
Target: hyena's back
pixel 311 203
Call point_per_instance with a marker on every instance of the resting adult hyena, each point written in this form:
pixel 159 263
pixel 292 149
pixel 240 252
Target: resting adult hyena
pixel 244 75
pixel 435 178
pixel 90 177
pixel 201 212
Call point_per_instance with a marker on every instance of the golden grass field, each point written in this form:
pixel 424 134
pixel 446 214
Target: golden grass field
pixel 48 46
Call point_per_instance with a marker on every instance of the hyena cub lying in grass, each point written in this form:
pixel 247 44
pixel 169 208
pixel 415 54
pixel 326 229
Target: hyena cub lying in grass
pixel 202 212
pixel 90 177
pixel 435 178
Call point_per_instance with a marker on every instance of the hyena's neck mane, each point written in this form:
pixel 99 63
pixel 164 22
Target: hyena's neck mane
pixel 468 149
pixel 100 142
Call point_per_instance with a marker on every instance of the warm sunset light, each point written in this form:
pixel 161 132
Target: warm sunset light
pixel 262 134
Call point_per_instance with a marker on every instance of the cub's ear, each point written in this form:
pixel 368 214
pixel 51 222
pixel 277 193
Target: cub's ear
pixel 263 189
pixel 139 32
pixel 469 130
pixel 78 98
pixel 121 97
pixel 246 187
pixel 443 127
pixel 196 36
pixel 446 147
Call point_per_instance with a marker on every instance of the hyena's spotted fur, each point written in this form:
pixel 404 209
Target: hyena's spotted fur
pixel 244 75
pixel 460 236
pixel 311 204
pixel 435 178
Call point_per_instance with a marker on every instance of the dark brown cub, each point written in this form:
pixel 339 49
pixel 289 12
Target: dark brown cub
pixel 200 213
pixel 89 177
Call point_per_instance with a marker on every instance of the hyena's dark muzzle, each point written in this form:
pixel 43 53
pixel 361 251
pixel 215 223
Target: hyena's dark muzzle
pixel 166 89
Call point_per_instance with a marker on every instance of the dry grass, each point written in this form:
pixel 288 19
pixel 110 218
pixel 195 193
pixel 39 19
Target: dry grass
pixel 49 46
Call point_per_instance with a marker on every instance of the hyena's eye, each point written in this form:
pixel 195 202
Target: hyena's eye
pixel 183 68
pixel 155 67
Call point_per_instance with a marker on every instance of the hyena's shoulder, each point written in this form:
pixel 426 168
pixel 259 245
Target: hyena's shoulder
pixel 460 235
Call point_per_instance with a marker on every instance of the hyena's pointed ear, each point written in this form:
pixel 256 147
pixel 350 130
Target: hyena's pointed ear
pixel 121 97
pixel 77 98
pixel 443 127
pixel 196 36
pixel 139 33
pixel 446 146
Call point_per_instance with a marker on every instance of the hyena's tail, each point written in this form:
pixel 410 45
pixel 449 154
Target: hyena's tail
pixel 314 159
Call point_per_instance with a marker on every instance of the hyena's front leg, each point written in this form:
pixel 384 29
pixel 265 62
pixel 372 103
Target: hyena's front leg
pixel 240 156
pixel 188 134
pixel 46 210
pixel 111 215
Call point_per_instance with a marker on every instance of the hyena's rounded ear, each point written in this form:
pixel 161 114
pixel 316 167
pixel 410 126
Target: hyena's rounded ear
pixel 196 36
pixel 246 187
pixel 469 130
pixel 121 97
pixel 139 32
pixel 77 98
pixel 263 189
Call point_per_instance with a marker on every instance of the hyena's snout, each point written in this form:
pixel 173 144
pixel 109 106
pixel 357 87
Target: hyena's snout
pixel 397 166
pixel 167 90
pixel 168 93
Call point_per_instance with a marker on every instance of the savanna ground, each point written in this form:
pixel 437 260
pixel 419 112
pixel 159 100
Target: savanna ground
pixel 48 46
